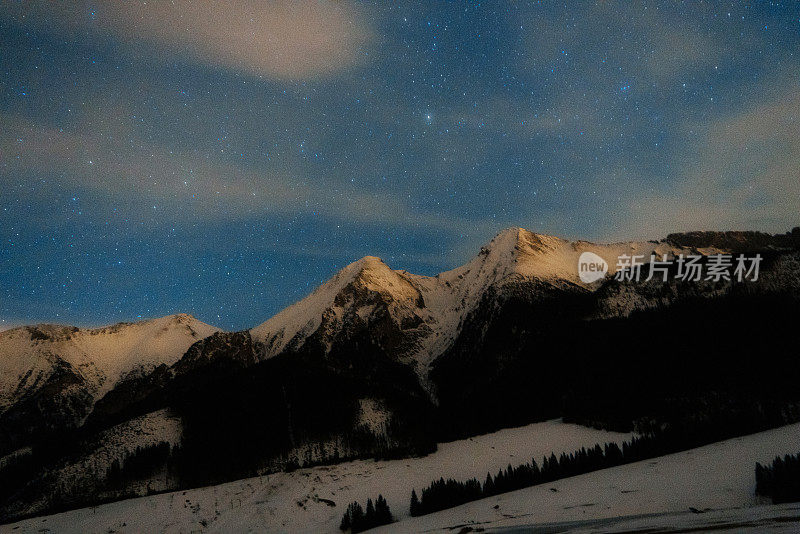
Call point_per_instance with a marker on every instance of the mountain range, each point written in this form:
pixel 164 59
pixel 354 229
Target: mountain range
pixel 379 362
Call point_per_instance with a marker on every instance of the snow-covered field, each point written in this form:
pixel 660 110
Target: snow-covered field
pixel 715 477
pixel 773 519
pixel 303 501
pixel 709 488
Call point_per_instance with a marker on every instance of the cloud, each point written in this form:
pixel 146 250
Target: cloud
pixel 281 39
pixel 145 180
pixel 610 43
pixel 745 175
pixel 674 51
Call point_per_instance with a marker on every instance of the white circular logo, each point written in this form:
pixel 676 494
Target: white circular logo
pixel 591 267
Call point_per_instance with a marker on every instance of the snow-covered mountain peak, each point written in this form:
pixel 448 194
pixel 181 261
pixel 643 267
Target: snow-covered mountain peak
pixel 369 270
pixel 514 253
pixel 372 274
pixel 368 263
pixel 428 312
pixel 441 302
pixel 518 253
pixel 356 288
pixel 515 236
pixel 102 356
pixel 185 318
pixel 517 245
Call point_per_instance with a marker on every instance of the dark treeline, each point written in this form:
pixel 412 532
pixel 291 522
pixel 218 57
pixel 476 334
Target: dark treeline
pixel 781 480
pixel 140 464
pixel 618 375
pixel 356 519
pixel 22 476
pixel 15 472
pixel 236 421
pixel 443 494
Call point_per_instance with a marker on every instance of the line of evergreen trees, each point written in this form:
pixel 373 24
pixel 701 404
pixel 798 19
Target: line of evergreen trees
pixel 357 520
pixel 781 480
pixel 443 494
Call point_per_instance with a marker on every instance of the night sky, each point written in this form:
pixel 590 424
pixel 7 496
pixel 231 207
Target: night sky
pixel 160 157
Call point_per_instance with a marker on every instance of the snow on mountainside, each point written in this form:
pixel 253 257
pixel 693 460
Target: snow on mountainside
pixel 375 362
pixel 516 252
pixel 717 480
pixel 101 356
pixel 437 305
pixel 345 290
pixel 443 301
pixel 432 308
pixel 714 477
pixel 411 319
pixel 89 469
pixel 313 499
pixel 513 256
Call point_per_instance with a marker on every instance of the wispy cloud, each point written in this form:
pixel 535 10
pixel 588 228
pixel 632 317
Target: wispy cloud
pixel 745 175
pixel 278 39
pixel 148 180
pixel 668 43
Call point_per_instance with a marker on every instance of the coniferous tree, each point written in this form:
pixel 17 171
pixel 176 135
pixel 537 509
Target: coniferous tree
pixel 488 486
pixel 780 480
pixel 356 519
pixel 369 515
pixel 353 518
pixel 414 510
pixel 347 521
pixel 554 465
pixel 383 516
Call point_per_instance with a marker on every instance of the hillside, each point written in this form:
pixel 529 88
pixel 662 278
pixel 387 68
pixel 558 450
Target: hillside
pixel 715 477
pixel 313 499
pixel 51 375
pixel 716 480
pixel 382 363
pixel 101 355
